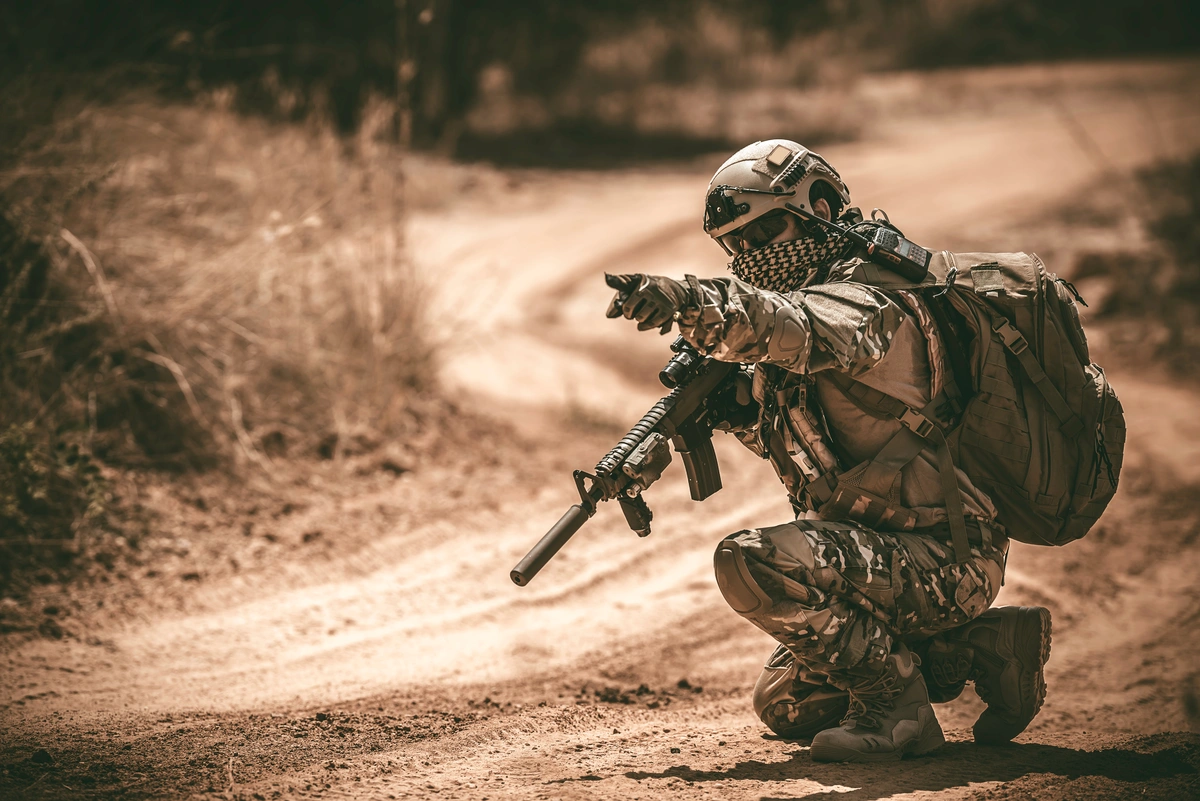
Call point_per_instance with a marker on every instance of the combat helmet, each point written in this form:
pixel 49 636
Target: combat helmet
pixel 761 178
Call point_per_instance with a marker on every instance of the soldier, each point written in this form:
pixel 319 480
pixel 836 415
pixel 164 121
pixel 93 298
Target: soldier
pixel 879 603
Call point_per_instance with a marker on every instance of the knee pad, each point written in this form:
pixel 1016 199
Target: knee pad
pixel 776 681
pixel 740 589
pixel 820 708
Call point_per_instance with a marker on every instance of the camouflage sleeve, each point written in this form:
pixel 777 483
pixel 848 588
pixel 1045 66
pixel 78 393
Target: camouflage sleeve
pixel 842 326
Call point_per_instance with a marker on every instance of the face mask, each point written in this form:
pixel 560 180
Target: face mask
pixel 788 266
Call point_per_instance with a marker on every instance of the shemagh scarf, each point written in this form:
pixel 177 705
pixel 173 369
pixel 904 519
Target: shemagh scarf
pixel 788 266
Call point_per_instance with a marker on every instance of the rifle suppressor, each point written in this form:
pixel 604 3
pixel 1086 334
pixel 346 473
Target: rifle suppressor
pixel 544 551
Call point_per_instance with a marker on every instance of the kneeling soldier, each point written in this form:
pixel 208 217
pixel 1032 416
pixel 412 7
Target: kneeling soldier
pixel 880 603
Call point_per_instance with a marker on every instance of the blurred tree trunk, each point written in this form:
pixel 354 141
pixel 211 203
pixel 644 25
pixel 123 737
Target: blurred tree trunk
pixel 404 73
pixel 443 85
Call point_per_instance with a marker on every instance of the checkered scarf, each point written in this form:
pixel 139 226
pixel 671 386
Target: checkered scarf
pixel 788 266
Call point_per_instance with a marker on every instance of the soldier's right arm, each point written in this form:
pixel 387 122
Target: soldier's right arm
pixel 844 326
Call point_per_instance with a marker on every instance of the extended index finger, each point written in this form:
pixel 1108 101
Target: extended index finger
pixel 623 282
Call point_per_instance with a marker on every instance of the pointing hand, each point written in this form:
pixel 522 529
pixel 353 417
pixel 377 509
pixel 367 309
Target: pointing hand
pixel 652 300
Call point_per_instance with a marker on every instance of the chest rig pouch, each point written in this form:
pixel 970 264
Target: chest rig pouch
pixel 791 432
pixel 869 492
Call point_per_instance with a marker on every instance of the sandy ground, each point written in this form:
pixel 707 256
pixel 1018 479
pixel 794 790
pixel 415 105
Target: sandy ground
pixel 403 662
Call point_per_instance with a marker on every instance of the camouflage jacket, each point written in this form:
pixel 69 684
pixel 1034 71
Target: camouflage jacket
pixel 796 342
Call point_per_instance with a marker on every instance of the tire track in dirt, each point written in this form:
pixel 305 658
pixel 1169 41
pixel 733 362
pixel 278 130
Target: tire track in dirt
pixel 343 638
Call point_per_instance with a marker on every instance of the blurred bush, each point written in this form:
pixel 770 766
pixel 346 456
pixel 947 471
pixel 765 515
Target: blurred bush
pixel 1154 294
pixel 564 76
pixel 52 499
pixel 945 33
pixel 249 273
pixel 182 287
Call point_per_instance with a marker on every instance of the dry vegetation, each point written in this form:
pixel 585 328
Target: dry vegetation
pixel 182 287
pixel 668 86
pixel 1149 286
pixel 220 281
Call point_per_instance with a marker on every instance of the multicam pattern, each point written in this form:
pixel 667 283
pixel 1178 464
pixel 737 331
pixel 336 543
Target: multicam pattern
pixel 933 339
pixel 853 326
pixel 848 326
pixel 793 702
pixel 842 593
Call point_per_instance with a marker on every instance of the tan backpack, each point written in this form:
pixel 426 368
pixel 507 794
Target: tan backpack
pixel 1040 428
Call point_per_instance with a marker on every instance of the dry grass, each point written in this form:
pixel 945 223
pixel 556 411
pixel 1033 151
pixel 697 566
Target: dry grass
pixel 260 267
pixel 181 287
pixel 1150 295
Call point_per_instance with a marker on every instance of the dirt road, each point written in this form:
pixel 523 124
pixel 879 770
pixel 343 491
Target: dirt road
pixel 406 664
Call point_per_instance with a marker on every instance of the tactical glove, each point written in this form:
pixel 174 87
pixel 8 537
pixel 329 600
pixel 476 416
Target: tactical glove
pixel 652 300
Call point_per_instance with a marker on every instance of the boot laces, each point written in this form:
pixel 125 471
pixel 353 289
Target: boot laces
pixel 871 700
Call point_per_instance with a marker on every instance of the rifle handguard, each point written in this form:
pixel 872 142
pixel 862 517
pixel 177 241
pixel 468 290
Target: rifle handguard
pixel 620 452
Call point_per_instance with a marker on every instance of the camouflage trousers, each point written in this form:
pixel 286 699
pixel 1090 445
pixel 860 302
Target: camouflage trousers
pixel 841 595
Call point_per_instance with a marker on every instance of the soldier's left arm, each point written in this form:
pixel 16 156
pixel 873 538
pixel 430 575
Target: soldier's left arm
pixel 842 326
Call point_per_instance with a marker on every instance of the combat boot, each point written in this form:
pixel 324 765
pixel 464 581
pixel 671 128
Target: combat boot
pixel 890 717
pixel 1004 652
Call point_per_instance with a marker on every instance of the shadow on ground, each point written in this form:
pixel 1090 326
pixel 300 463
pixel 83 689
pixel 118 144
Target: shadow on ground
pixel 1164 766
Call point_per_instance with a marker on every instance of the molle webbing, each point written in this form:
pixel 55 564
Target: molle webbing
pixel 1038 427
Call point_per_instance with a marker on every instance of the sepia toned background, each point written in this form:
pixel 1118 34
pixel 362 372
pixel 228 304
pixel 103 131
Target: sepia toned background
pixel 302 333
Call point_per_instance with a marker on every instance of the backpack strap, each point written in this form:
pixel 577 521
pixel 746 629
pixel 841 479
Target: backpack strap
pixel 918 431
pixel 1016 344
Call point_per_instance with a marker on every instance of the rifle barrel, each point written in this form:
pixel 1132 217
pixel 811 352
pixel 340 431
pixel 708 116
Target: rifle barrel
pixel 548 545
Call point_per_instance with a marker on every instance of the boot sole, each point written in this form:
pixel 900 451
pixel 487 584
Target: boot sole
pixel 1034 629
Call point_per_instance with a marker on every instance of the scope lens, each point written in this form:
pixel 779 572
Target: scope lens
pixel 676 371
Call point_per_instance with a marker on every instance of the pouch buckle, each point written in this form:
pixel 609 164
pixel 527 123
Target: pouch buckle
pixel 917 422
pixel 1010 336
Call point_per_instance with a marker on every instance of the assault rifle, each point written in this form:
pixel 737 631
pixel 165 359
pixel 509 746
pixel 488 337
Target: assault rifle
pixel 703 392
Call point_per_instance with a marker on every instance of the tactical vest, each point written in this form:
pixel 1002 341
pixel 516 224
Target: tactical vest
pixel 1028 417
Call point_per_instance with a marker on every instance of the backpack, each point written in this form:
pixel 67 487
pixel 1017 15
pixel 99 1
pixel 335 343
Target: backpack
pixel 1038 428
